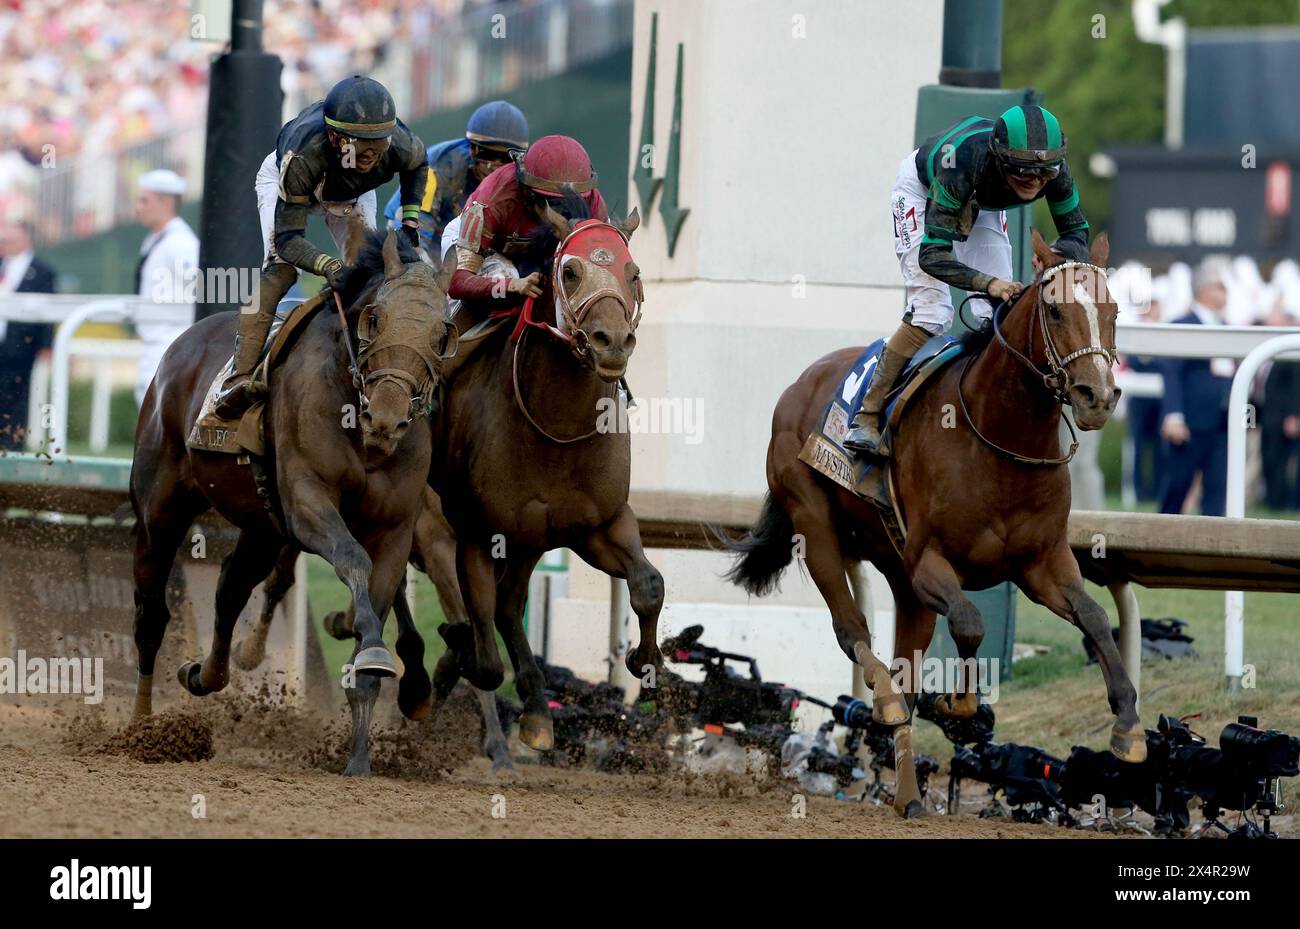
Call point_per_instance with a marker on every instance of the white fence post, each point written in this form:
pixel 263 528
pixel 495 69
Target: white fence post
pixel 1234 621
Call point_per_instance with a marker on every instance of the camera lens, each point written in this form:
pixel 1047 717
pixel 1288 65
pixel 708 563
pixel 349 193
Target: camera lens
pixel 851 712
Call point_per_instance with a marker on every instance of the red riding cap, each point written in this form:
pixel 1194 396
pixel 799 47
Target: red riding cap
pixel 556 166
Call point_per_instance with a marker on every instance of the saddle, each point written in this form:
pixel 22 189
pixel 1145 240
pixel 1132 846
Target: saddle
pixel 211 433
pixel 871 478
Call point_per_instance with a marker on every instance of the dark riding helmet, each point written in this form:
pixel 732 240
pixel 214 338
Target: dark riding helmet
pixel 1027 139
pixel 498 125
pixel 556 166
pixel 361 108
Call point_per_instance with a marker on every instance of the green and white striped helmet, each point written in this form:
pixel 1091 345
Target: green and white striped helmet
pixel 1027 139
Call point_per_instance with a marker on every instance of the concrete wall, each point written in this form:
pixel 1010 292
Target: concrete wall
pixel 795 117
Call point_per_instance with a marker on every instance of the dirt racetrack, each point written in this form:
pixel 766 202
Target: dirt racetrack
pixel 275 772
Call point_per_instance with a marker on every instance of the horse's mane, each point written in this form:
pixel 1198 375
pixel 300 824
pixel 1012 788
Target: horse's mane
pixel 370 262
pixel 542 240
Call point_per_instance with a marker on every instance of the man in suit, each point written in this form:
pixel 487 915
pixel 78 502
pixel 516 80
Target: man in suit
pixel 1278 399
pixel 20 342
pixel 1195 410
pixel 1144 422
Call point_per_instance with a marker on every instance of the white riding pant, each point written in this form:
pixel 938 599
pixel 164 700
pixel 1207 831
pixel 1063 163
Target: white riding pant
pixel 338 216
pixel 987 249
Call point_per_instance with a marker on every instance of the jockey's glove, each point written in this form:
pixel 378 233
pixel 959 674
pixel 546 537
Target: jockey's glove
pixel 411 234
pixel 334 271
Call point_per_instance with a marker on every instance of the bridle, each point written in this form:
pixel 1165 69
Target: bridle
pixel 1055 379
pixel 421 391
pixel 598 283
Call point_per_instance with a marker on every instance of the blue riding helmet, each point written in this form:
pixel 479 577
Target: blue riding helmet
pixel 498 124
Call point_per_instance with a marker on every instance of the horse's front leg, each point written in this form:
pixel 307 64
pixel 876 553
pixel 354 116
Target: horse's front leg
pixel 937 586
pixel 1055 582
pixel 615 548
pixel 250 652
pixel 314 522
pixel 388 550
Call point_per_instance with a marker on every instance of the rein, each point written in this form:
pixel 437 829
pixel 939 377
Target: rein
pixel 1054 379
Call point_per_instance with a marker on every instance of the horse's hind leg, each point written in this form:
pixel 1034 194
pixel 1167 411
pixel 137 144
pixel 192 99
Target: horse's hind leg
pixel 241 571
pixel 616 549
pixel 535 727
pixel 474 643
pixel 810 512
pixel 162 522
pixel 414 691
pixel 1055 582
pixel 937 586
pixel 250 652
pixel 434 553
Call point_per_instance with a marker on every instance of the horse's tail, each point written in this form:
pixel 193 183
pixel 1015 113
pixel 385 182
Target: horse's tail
pixel 764 552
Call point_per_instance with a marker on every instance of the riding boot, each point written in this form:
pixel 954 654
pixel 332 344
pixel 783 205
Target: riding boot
pixel 864 437
pixel 238 392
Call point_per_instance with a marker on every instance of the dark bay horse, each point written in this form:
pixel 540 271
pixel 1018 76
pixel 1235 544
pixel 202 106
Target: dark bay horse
pixel 349 467
pixel 522 466
pixel 983 490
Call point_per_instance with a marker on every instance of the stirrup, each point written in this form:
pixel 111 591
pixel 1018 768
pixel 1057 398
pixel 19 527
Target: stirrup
pixel 865 439
pixel 235 400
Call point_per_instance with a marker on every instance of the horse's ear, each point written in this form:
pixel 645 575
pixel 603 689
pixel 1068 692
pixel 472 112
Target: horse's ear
pixel 1100 250
pixel 631 224
pixel 559 225
pixel 1042 251
pixel 443 272
pixel 393 266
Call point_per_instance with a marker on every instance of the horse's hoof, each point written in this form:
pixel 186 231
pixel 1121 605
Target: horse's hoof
pixel 1129 744
pixel 189 676
pixel 946 706
pixel 416 707
pixel 889 709
pixel 357 768
pixel 458 636
pixel 334 625
pixel 374 660
pixel 536 731
pixel 914 810
pixel 248 657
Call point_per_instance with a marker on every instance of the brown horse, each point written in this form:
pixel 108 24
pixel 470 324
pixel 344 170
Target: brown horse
pixel 522 465
pixel 983 503
pixel 348 467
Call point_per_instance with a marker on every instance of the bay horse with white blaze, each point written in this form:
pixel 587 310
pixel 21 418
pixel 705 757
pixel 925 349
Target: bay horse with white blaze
pixel 982 503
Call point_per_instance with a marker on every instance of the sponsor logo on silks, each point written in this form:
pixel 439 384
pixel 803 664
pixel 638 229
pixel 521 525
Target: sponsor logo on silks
pixel 103 882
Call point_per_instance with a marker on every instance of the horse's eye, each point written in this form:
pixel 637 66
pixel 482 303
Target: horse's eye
pixel 1054 310
pixel 570 273
pixel 374 323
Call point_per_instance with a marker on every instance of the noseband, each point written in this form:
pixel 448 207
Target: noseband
pixel 1055 379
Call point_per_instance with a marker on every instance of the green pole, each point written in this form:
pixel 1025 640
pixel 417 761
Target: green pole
pixel 972 43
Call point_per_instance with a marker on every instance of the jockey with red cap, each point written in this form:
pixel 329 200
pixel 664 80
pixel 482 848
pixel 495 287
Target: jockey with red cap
pixel 502 230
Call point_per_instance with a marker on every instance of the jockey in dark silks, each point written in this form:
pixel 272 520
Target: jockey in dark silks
pixel 327 160
pixel 502 233
pixel 950 229
pixel 458 166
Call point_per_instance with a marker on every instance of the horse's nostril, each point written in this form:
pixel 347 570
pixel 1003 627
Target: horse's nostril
pixel 1086 392
pixel 600 339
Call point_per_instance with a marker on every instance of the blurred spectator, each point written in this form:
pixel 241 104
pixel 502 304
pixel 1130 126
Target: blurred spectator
pixel 169 262
pixel 20 343
pixel 1195 409
pixel 1278 404
pixel 1144 422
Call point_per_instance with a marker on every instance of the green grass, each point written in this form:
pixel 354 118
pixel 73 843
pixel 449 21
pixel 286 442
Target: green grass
pixel 1057 700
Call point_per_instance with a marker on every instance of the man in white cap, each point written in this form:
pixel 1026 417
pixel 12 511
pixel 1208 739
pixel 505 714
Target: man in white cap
pixel 168 266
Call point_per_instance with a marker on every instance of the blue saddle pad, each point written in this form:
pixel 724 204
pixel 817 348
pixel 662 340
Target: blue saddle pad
pixel 824 449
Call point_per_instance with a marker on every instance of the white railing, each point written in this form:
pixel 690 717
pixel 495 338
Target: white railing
pixel 68 312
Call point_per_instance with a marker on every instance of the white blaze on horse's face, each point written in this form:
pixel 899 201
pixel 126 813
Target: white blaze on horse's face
pixel 1092 392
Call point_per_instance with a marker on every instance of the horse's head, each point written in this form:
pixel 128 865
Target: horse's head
pixel 402 336
pixel 1076 316
pixel 597 291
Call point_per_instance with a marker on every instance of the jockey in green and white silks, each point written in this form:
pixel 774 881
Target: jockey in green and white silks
pixel 948 204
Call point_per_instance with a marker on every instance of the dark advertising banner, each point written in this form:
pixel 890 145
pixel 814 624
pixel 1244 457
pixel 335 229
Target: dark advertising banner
pixel 1184 205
